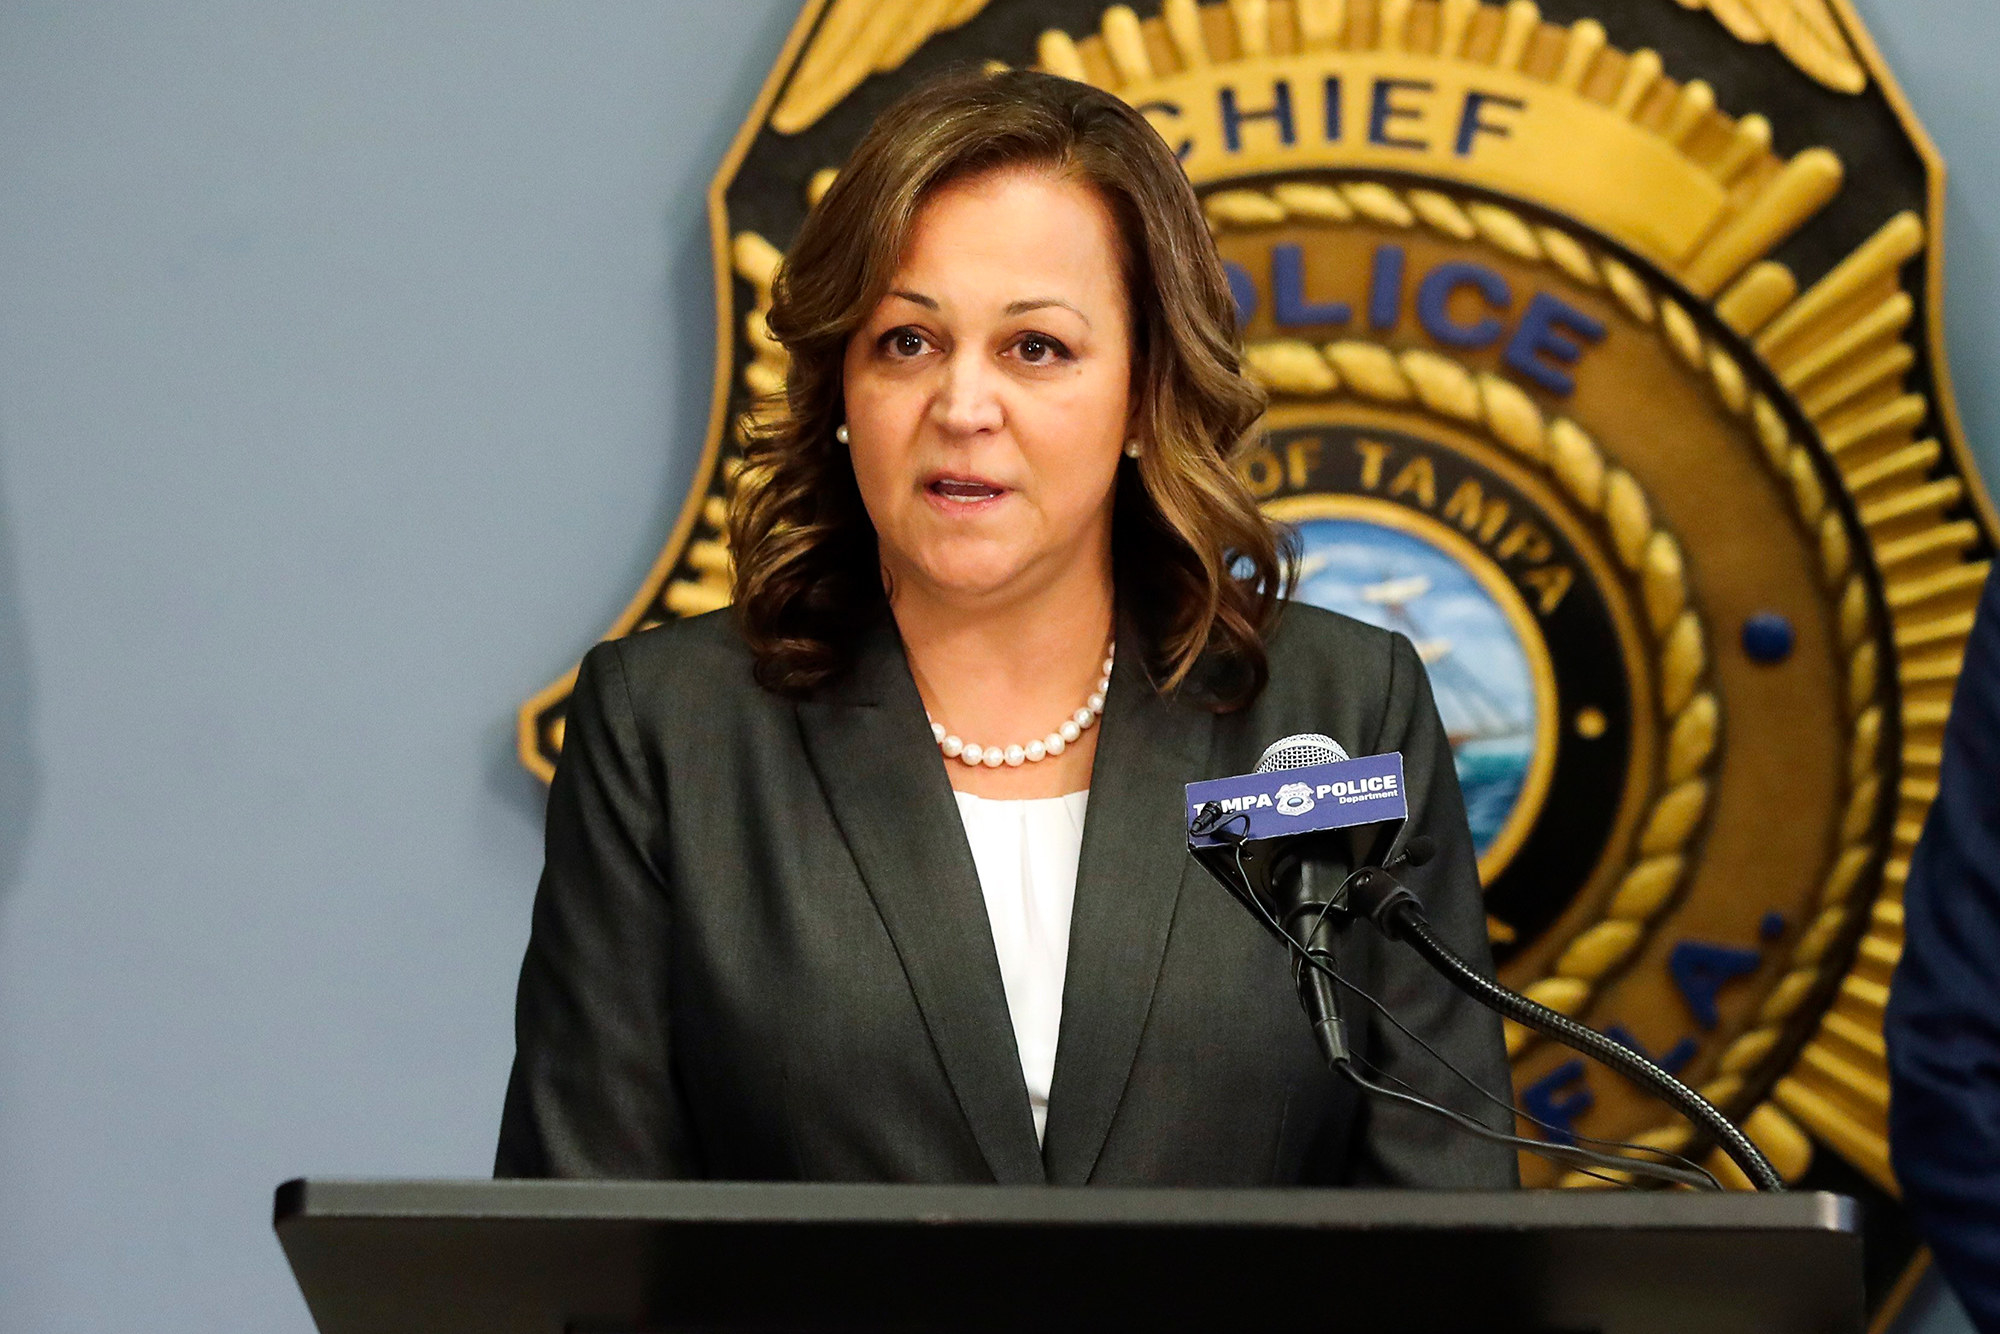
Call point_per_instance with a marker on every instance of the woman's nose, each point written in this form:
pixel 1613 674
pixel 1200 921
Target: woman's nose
pixel 968 400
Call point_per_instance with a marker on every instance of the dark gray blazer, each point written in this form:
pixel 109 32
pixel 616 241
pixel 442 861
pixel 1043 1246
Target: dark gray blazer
pixel 760 950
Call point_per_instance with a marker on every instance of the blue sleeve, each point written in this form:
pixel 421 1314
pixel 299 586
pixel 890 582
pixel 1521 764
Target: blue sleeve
pixel 1943 1023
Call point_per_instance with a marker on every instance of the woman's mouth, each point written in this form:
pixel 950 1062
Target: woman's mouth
pixel 963 491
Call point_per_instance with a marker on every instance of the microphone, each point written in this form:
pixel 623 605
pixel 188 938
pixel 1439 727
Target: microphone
pixel 1415 853
pixel 1299 751
pixel 1292 876
pixel 1273 837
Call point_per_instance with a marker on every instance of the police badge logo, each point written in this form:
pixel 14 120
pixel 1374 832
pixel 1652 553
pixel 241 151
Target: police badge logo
pixel 1603 341
pixel 1294 799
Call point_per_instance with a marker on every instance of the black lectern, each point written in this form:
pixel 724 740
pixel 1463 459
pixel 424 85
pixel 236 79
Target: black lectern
pixel 624 1257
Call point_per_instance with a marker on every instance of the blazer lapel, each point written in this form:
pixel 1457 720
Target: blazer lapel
pixel 1128 880
pixel 868 743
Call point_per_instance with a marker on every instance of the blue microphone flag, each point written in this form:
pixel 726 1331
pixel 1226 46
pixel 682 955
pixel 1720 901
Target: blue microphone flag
pixel 1340 794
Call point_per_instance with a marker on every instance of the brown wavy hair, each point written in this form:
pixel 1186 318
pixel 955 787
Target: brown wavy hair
pixel 1195 561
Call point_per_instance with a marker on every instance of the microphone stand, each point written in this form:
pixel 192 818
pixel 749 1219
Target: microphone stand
pixel 1312 927
pixel 1374 893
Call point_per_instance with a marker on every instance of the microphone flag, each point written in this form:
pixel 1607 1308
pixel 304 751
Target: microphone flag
pixel 1254 832
pixel 1288 803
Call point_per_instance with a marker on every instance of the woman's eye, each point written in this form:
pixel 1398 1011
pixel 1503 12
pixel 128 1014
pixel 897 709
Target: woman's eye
pixel 903 342
pixel 1039 350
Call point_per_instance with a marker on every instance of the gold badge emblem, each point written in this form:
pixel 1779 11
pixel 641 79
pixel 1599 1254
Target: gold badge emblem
pixel 1613 380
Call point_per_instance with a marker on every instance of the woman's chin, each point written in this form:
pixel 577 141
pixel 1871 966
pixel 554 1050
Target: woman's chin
pixel 973 576
pixel 991 568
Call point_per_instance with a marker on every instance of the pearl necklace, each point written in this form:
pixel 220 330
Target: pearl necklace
pixel 972 753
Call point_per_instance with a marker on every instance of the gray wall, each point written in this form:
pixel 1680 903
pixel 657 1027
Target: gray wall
pixel 353 360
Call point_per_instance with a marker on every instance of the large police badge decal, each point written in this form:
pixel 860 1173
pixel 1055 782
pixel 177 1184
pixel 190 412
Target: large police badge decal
pixel 1603 346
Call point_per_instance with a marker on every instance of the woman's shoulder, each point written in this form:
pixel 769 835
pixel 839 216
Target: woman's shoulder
pixel 1311 640
pixel 684 692
pixel 692 659
pixel 1331 673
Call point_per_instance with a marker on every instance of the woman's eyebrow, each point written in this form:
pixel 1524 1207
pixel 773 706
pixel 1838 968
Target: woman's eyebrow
pixel 1021 307
pixel 1043 303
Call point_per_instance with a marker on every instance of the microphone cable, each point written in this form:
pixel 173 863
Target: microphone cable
pixel 1693 1176
pixel 1690 1174
pixel 1686 1171
pixel 1389 1016
pixel 1560 1153
pixel 1398 915
pixel 1385 1077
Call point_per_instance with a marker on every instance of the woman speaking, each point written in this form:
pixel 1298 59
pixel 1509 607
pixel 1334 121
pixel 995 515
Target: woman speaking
pixel 881 875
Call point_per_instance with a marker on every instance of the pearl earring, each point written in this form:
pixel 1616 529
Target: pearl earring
pixel 840 433
pixel 1132 448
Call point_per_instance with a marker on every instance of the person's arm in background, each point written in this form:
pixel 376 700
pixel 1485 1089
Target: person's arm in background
pixel 1943 1023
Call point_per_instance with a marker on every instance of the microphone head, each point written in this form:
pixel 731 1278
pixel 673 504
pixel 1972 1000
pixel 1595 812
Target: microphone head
pixel 1298 751
pixel 1420 850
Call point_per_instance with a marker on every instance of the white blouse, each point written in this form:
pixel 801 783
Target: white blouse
pixel 1026 853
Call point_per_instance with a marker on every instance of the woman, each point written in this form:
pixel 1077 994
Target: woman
pixel 821 900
